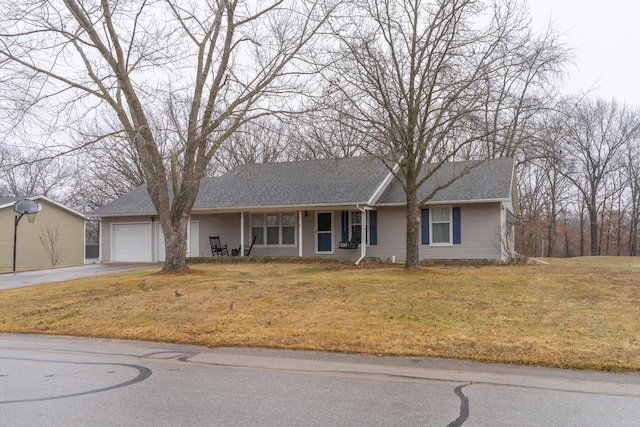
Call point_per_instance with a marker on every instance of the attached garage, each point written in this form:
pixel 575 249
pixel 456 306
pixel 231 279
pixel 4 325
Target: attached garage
pixel 131 242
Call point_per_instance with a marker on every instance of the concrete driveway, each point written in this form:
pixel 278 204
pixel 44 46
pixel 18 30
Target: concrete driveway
pixel 39 277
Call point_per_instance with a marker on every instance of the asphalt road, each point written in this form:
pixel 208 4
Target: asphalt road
pixel 38 277
pixel 76 382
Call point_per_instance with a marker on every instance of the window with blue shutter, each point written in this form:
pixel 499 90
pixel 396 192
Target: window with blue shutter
pixel 424 222
pixel 456 226
pixel 345 226
pixel 373 227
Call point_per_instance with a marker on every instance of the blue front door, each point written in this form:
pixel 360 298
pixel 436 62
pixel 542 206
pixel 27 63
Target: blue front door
pixel 324 232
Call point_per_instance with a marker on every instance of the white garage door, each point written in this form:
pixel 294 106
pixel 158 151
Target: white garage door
pixel 131 242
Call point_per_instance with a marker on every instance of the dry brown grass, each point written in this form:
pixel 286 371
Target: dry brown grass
pixel 582 313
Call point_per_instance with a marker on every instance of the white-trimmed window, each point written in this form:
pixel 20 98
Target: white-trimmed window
pixel 288 228
pixel 441 226
pixel 351 228
pixel 257 228
pixel 356 226
pixel 274 228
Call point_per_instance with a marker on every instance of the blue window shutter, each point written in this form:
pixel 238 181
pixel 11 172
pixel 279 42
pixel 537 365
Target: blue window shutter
pixel 456 226
pixel 424 220
pixel 373 227
pixel 345 226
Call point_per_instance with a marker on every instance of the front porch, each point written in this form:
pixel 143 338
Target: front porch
pixel 286 233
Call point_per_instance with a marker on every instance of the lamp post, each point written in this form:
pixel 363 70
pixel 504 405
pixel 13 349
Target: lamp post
pixel 23 207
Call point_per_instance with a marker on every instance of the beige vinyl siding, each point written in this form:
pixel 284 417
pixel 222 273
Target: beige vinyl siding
pixel 30 251
pixel 309 233
pixel 227 226
pixel 480 235
pixel 392 232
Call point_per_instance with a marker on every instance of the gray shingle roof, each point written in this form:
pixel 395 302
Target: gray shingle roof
pixel 335 182
pixel 490 180
pixel 307 183
pixel 315 182
pixel 135 202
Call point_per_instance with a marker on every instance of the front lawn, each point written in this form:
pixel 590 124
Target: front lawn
pixel 581 312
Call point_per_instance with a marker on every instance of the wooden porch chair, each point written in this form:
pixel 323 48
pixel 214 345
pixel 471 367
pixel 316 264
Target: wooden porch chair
pixel 217 248
pixel 247 251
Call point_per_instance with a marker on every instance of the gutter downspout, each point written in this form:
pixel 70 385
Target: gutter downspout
pixel 300 234
pixel 363 234
pixel 100 240
pixel 371 202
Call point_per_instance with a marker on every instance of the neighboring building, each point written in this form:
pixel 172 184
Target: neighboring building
pixel 62 229
pixel 314 208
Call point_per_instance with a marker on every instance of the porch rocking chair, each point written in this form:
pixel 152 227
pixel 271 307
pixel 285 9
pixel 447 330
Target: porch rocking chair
pixel 217 248
pixel 247 251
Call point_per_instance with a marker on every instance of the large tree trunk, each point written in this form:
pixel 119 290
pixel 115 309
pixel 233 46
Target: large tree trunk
pixel 413 232
pixel 551 233
pixel 175 225
pixel 633 244
pixel 633 232
pixel 412 261
pixel 175 239
pixel 593 218
pixel 581 230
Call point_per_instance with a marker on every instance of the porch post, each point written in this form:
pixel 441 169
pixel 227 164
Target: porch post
pixel 363 234
pixel 241 233
pixel 100 240
pixel 300 233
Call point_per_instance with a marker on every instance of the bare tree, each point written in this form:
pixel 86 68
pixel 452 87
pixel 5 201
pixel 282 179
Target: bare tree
pixel 209 67
pixel 532 187
pixel 521 91
pixel 632 167
pixel 327 131
pixel 50 239
pixel 110 169
pixel 597 131
pixel 29 172
pixel 545 154
pixel 413 76
pixel 262 141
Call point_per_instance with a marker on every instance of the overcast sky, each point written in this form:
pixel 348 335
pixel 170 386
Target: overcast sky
pixel 606 38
